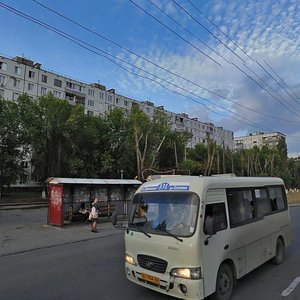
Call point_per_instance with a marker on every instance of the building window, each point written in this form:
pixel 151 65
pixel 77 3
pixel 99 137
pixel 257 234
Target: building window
pixel 109 107
pixel 18 70
pixel 30 86
pixel 44 78
pixel 2 79
pixel 91 93
pixel 3 66
pixel 90 113
pixel 1 93
pixel 117 100
pixel 74 86
pixel 91 103
pixel 109 98
pixel 17 83
pixel 16 96
pixel 57 82
pixel 43 91
pixel 101 96
pixel 31 74
pixel 126 103
pixel 57 94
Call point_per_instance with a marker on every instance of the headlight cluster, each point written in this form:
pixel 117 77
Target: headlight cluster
pixel 129 259
pixel 189 273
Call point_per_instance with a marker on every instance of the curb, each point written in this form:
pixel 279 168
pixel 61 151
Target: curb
pixel 22 206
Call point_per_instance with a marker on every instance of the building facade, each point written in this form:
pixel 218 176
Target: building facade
pixel 258 139
pixel 20 75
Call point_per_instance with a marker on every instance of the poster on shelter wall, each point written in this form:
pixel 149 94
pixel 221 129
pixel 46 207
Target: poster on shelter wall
pixel 130 192
pixel 116 194
pixel 101 192
pixel 81 194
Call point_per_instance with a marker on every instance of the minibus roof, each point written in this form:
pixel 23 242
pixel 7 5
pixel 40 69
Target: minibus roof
pixel 186 183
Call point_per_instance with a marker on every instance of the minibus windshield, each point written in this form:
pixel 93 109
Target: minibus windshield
pixel 165 213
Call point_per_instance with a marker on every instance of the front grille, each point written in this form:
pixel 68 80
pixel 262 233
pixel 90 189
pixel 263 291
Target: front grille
pixel 152 263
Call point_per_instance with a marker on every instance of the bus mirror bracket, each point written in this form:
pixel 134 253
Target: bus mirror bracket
pixel 209 228
pixel 116 223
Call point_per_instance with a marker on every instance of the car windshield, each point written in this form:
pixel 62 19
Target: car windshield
pixel 165 213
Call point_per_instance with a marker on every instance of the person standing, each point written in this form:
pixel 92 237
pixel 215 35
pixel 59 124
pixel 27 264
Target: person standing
pixel 94 214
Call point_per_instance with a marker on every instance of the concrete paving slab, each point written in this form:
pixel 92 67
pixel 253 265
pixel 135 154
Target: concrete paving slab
pixel 23 230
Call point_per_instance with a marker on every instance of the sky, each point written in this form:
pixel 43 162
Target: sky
pixel 233 63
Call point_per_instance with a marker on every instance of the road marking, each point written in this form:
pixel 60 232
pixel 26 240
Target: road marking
pixel 291 287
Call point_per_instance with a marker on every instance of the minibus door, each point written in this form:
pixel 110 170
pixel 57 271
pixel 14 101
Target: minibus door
pixel 215 243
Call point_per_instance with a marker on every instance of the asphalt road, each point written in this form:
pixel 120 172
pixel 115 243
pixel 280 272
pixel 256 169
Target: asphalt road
pixel 94 269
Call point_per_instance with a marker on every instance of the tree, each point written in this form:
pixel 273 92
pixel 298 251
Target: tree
pixel 140 128
pixel 90 140
pixel 12 145
pixel 173 150
pixel 44 120
pixel 120 147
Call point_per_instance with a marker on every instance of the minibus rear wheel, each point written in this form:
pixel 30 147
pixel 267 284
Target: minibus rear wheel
pixel 279 252
pixel 224 284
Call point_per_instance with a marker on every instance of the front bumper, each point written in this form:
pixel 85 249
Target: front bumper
pixel 166 284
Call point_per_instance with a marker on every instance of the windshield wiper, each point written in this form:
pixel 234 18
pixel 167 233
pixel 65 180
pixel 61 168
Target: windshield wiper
pixel 171 234
pixel 140 229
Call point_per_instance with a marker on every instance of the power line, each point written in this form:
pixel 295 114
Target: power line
pixel 78 42
pixel 265 90
pixel 255 61
pixel 205 28
pixel 185 29
pixel 219 29
pixel 247 75
pixel 283 82
pixel 270 88
pixel 158 66
pixel 66 36
pixel 178 35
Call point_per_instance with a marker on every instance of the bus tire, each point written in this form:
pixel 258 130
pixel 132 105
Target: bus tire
pixel 224 284
pixel 279 252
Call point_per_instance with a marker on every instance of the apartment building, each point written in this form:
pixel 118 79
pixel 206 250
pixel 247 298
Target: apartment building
pixel 20 75
pixel 258 139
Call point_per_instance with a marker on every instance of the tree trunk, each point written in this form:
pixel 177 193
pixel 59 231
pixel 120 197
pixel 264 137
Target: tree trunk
pixel 211 160
pixel 156 152
pixel 218 162
pixel 137 151
pixel 223 155
pixel 176 158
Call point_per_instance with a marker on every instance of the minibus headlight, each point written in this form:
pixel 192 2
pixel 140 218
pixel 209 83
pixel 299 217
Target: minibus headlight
pixel 129 259
pixel 189 273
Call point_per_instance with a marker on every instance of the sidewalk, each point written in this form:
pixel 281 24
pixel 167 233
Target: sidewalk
pixel 23 230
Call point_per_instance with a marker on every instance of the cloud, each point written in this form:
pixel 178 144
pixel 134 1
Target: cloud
pixel 267 35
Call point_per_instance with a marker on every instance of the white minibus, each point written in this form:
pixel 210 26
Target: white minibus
pixel 190 237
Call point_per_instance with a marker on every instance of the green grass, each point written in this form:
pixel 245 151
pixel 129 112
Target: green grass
pixel 293 197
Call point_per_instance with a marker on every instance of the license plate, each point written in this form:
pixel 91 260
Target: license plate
pixel 150 278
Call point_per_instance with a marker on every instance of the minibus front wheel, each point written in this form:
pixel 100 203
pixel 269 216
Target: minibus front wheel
pixel 224 284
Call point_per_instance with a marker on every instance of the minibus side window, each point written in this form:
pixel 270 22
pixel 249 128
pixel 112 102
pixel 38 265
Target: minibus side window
pixel 218 213
pixel 241 206
pixel 263 202
pixel 277 196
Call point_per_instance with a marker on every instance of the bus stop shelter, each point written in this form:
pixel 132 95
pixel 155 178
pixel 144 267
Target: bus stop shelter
pixel 67 195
